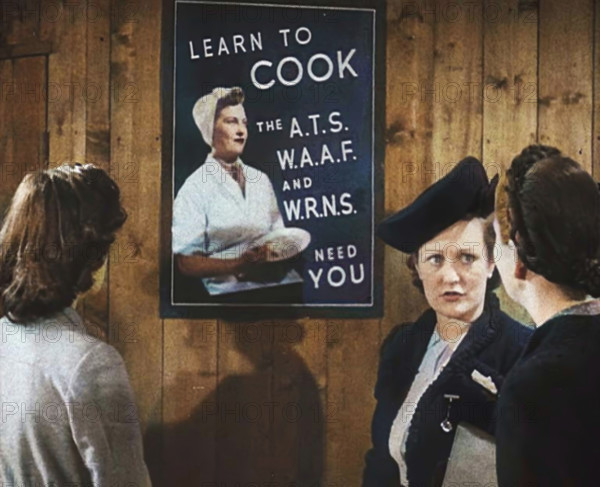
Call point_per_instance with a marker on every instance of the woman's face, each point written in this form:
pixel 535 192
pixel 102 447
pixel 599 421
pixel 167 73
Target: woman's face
pixel 230 133
pixel 454 269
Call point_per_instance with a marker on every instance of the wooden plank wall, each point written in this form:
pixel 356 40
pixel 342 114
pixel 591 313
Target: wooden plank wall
pixel 281 401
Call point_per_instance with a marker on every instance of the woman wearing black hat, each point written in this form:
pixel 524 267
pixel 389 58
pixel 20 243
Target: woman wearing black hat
pixel 447 367
pixel 548 232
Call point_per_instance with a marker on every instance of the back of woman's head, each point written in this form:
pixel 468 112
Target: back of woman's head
pixel 554 218
pixel 56 233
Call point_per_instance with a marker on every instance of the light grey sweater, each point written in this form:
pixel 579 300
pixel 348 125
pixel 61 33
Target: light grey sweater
pixel 67 412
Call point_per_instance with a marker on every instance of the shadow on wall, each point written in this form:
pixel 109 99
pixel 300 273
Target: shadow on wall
pixel 263 426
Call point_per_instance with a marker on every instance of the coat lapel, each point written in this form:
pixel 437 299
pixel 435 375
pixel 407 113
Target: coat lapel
pixel 407 350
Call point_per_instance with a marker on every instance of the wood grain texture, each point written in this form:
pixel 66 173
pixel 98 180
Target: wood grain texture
pixel 94 308
pixel 29 117
pixel 409 124
pixel 299 386
pixel 284 401
pixel 243 400
pixel 7 136
pixel 190 412
pixel 67 81
pixel 97 89
pixel 20 21
pixel 458 104
pixel 135 137
pixel 29 47
pixel 22 122
pixel 509 95
pixel 351 365
pixel 510 83
pixel 596 104
pixel 565 77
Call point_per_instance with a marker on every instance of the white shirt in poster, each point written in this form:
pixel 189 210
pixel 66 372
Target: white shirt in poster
pixel 211 216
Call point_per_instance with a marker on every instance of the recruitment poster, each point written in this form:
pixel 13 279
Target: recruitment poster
pixel 273 156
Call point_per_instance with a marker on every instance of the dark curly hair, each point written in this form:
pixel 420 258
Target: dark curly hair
pixel 552 214
pixel 56 233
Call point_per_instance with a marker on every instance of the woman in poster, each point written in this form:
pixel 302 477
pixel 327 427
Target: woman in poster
pixel 225 205
pixel 71 417
pixel 448 366
pixel 548 233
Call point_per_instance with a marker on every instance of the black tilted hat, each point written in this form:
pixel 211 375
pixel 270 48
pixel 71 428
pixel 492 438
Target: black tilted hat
pixel 466 189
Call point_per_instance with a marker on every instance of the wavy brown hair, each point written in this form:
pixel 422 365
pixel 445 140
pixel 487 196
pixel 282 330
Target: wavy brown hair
pixel 56 233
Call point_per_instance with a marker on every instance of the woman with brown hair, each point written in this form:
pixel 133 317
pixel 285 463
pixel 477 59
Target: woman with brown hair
pixel 548 234
pixel 69 415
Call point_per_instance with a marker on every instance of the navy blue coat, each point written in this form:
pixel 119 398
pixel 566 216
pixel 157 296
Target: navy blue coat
pixel 491 346
pixel 549 412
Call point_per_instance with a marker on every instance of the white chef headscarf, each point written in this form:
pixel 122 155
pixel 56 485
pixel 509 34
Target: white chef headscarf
pixel 204 112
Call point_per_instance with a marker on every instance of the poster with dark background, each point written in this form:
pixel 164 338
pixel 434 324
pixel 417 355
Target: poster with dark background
pixel 308 73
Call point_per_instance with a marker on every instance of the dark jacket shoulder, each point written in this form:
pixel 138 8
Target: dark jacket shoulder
pixel 548 409
pixel 402 350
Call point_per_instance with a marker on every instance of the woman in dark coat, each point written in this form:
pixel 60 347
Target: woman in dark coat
pixel 447 367
pixel 548 232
